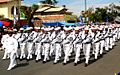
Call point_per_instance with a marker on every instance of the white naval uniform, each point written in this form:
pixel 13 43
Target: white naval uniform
pixel 72 38
pixel 52 46
pixel 12 46
pixel 118 32
pixel 46 47
pixel 77 48
pixel 96 42
pixel 30 44
pixel 57 41
pixel 4 43
pixel 110 39
pixel 67 48
pixel 22 43
pixel 102 42
pixel 86 46
pixel 106 40
pixel 38 46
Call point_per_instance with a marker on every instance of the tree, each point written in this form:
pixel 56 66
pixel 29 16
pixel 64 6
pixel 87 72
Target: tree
pixel 1 17
pixel 70 18
pixel 51 2
pixel 29 13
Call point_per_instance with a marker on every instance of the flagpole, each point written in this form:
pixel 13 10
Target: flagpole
pixel 19 12
pixel 14 16
pixel 85 9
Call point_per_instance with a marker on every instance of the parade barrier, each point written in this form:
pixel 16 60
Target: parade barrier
pixel 52 24
pixel 63 24
pixel 4 23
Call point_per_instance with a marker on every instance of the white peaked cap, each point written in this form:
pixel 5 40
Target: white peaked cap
pixel 37 27
pixel 42 28
pixel 57 28
pixel 31 27
pixel 80 27
pixel 100 28
pixel 21 28
pixel 93 27
pixel 106 26
pixel 14 29
pixel 4 27
pixel 76 28
pixel 28 28
pixel 70 28
pixel 86 28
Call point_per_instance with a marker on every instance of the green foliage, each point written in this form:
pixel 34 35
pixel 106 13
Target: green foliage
pixel 29 13
pixel 52 2
pixel 70 17
pixel 101 14
pixel 1 17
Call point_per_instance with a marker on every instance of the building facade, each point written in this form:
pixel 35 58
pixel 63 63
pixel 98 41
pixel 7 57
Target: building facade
pixel 50 13
pixel 7 8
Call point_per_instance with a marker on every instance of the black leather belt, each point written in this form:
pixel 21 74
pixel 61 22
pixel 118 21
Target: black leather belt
pixel 46 42
pixel 87 42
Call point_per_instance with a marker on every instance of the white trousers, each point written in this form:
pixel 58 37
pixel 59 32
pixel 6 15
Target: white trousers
pixel 22 48
pixel 97 49
pixel 66 52
pixel 30 50
pixel 111 43
pixel 57 52
pixel 114 39
pixel 86 50
pixel 107 44
pixel 77 52
pixel 12 60
pixel 38 51
pixel 52 49
pixel 46 47
pixel 102 43
pixel 6 55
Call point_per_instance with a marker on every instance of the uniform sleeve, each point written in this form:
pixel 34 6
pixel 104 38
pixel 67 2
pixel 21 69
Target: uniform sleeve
pixel 15 43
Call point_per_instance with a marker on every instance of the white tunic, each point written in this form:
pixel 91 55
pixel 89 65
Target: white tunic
pixel 12 44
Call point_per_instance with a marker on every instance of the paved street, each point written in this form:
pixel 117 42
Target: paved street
pixel 108 65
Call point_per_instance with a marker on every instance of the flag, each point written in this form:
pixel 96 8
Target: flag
pixel 81 19
pixel 107 20
pixel 15 20
pixel 22 15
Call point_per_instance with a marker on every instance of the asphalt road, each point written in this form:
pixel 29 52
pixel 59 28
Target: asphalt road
pixel 108 65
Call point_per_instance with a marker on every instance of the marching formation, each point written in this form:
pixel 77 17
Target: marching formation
pixel 56 42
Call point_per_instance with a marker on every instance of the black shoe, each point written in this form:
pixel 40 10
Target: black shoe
pixel 54 63
pixel 20 59
pixel 44 62
pixel 64 63
pixel 86 65
pixel 95 59
pixel 27 60
pixel 75 64
pixel 101 55
pixel 36 61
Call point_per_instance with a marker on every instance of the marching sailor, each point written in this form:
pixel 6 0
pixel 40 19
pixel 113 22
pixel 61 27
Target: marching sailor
pixel 46 45
pixel 106 33
pixel 95 41
pixel 101 40
pixel 77 45
pixel 38 44
pixel 66 46
pixel 4 44
pixel 12 47
pixel 22 43
pixel 86 36
pixel 31 37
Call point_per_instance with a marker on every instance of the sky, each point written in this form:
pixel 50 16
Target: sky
pixel 76 6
